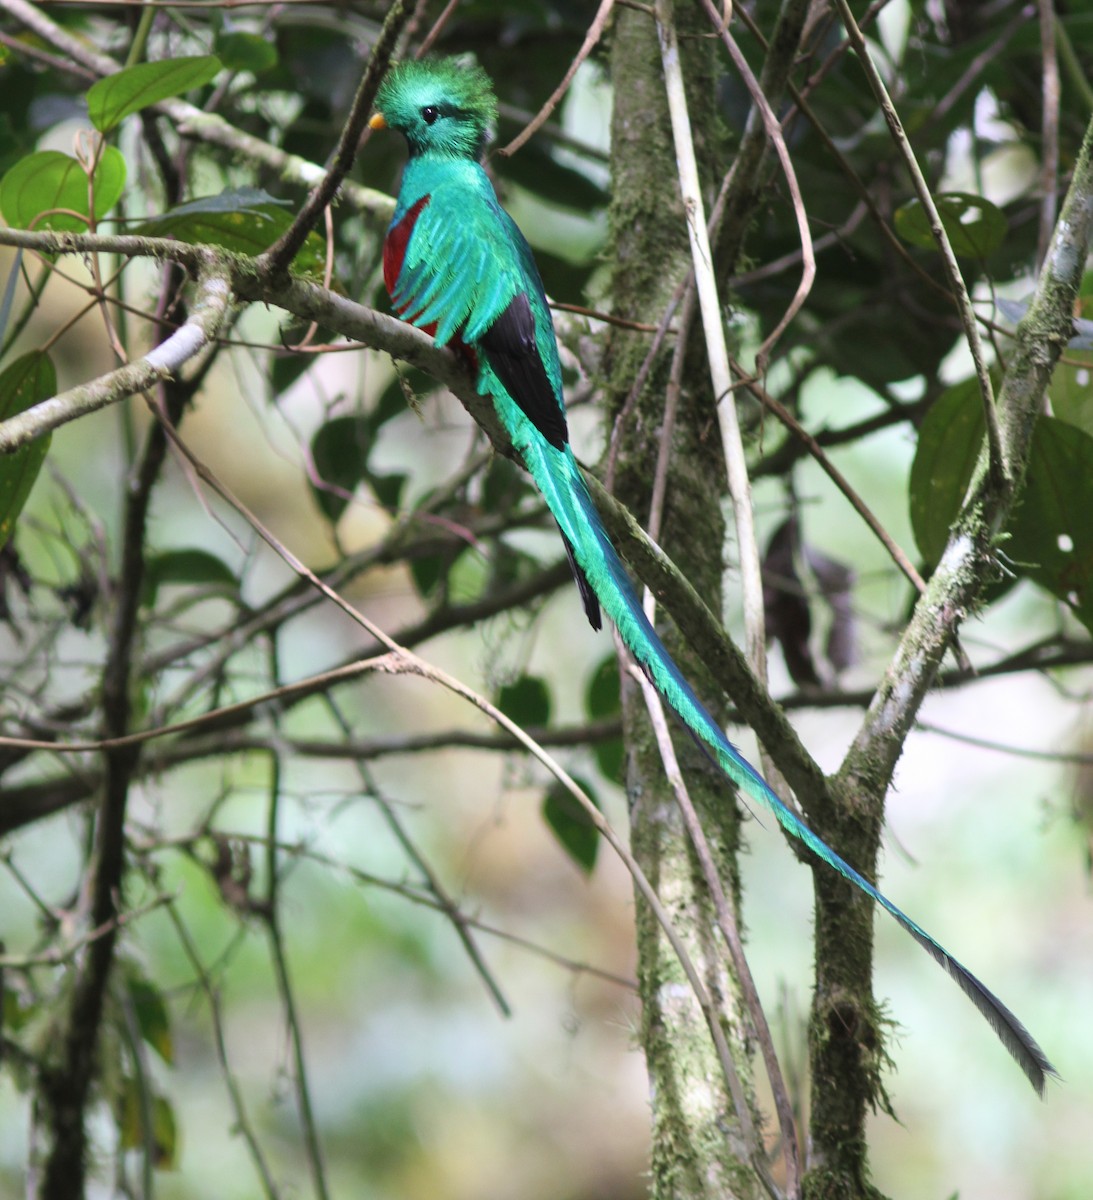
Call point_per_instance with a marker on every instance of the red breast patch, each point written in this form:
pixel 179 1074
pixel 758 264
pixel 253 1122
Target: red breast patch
pixel 394 245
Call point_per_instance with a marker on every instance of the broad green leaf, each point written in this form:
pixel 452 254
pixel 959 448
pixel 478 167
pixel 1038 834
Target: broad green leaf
pixel 1071 390
pixel 503 485
pixel 975 226
pixel 165 1134
pixel 125 92
pixel 339 450
pixel 246 52
pixel 28 380
pixel 571 825
pixel 15 1010
pixel 244 220
pixel 427 573
pixel 1051 534
pixel 468 577
pixel 388 489
pixel 401 393
pixel 48 180
pixel 152 1020
pixel 602 699
pixel 526 701
pixel 164 1127
pixel 949 442
pixel 230 200
pixel 610 756
pixel 287 366
pixel 185 567
pixel 431 571
pixel 1071 387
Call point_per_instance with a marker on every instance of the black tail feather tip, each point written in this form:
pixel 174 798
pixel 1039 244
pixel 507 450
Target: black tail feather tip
pixel 1011 1033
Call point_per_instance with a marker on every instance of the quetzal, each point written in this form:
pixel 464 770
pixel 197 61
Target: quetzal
pixel 456 265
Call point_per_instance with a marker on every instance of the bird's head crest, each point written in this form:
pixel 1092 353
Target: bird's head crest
pixel 440 106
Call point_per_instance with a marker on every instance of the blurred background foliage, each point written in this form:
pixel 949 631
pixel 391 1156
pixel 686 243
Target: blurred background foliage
pixel 311 1000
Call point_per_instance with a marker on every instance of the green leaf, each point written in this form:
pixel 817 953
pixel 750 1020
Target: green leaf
pixel 610 756
pixel 230 200
pixel 152 1020
pixel 164 1126
pixel 1051 534
pixel 503 485
pixel 571 825
pixel 48 180
pixel 186 567
pixel 388 489
pixel 396 396
pixel 949 442
pixel 15 1010
pixel 165 1134
pixel 244 220
pixel 1071 390
pixel 125 92
pixel 602 698
pixel 427 572
pixel 28 380
pixel 286 367
pixel 526 701
pixel 1071 386
pixel 975 226
pixel 339 450
pixel 246 52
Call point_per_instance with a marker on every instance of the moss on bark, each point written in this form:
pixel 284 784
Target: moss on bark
pixel 697 1148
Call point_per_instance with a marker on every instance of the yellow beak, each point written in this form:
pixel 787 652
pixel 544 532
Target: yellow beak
pixel 377 121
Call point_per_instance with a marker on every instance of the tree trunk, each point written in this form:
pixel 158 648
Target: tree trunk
pixel 698 1150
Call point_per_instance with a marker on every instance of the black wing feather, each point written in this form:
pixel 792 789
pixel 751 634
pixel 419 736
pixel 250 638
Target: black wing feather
pixel 588 596
pixel 509 345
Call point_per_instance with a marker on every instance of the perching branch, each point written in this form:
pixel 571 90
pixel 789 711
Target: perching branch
pixel 202 126
pixel 210 305
pixel 968 560
pixel 999 464
pixel 716 348
pixel 277 258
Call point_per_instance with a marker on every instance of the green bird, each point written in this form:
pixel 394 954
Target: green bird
pixel 457 266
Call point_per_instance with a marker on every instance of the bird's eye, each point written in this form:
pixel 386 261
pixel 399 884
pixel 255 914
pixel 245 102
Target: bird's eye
pixel 430 113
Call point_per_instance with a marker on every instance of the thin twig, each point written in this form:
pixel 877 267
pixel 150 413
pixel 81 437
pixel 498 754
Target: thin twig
pixel 279 256
pixel 1075 758
pixel 774 133
pixel 999 466
pixel 400 661
pixel 419 896
pixel 1075 72
pixel 438 28
pixel 159 363
pixel 1049 126
pixel 834 474
pixel 272 920
pixel 725 915
pixel 591 37
pixel 239 1109
pixel 193 122
pixel 445 903
pixel 726 922
pixel 717 351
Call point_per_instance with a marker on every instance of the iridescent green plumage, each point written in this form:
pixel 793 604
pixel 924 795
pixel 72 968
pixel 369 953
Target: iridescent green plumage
pixel 455 261
pixel 463 95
